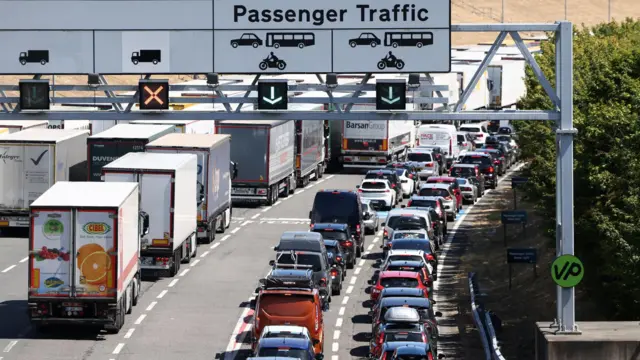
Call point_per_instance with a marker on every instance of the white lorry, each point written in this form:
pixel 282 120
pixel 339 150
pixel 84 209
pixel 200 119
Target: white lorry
pixel 70 124
pixel 168 196
pixel 214 177
pixel 12 126
pixel 506 83
pixel 83 254
pixel 31 162
pixel 183 126
pixel 376 143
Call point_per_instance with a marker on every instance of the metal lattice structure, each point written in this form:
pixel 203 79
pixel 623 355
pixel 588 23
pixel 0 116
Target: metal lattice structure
pixel 341 109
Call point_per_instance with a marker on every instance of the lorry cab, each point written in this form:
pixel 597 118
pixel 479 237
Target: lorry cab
pixel 289 297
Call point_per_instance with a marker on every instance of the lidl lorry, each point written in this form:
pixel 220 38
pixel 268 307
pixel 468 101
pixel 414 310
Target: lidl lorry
pixel 12 126
pixel 83 254
pixel 214 177
pixel 32 161
pixel 264 153
pixel 183 126
pixel 376 143
pixel 109 145
pixel 168 195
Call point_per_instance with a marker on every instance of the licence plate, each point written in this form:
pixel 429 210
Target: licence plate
pixel 146 260
pixel 4 223
pixel 242 191
pixel 364 158
pixel 73 308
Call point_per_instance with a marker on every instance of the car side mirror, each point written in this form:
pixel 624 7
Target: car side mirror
pixel 272 263
pixel 316 342
pixel 370 282
pixel 252 303
pixel 319 356
pixel 234 170
pixel 357 186
pixel 438 314
pixel 403 206
pixel 381 246
pixel 310 213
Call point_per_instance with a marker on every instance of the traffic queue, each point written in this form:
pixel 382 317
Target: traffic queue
pixel 309 266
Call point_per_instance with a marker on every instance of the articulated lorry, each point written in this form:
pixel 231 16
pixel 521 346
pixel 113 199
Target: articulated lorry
pixel 168 195
pixel 70 124
pixel 98 126
pixel 109 145
pixel 32 161
pixel 12 126
pixel 506 83
pixel 83 254
pixel 376 143
pixel 264 153
pixel 214 177
pixel 309 150
pixel 183 126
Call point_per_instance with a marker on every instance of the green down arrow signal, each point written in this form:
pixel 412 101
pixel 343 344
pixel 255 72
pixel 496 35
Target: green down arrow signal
pixel 273 100
pixel 390 99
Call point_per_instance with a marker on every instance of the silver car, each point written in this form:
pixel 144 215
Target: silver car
pixel 469 191
pixel 424 162
pixel 443 190
pixel 371 220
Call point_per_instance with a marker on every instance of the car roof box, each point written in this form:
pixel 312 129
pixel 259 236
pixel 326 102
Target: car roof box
pixel 286 278
pixel 402 315
pixel 301 241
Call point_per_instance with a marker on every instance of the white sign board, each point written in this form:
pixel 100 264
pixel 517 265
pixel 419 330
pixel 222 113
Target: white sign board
pixel 224 36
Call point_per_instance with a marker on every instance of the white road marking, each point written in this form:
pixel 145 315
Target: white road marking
pixel 214 246
pixel 237 218
pixel 361 263
pixel 278 203
pixel 353 280
pixel 25 259
pixel 370 247
pixel 266 209
pixel 333 357
pixel 129 333
pixel 140 319
pixel 235 230
pixel 336 335
pixel 319 181
pixel 225 237
pixel 234 341
pixel 366 253
pixel 342 310
pixel 339 322
pixel 345 300
pixel 195 262
pixel 300 191
pixel 283 219
pixel 255 216
pixel 8 269
pixel 380 232
pixel 245 223
pixel 330 176
pixel 151 306
pixel 118 349
pixel 357 271
pixel 204 254
pixel 375 239
pixel 335 346
pixel 184 272
pixel 309 186
pixel 349 290
pixel 10 346
pixel 173 282
pixel 162 294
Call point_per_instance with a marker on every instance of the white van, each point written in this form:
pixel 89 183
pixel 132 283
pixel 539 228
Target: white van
pixel 443 136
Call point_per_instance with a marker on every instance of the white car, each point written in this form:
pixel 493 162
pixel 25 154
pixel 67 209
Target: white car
pixel 469 191
pixel 378 190
pixel 285 331
pixel 424 162
pixel 407 183
pixel 478 131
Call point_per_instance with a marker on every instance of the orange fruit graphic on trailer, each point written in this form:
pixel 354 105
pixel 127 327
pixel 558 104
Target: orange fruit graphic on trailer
pixel 95 267
pixel 86 250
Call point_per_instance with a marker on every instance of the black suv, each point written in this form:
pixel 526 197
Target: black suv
pixel 341 233
pixel 499 159
pixel 340 207
pixel 487 168
pixel 390 175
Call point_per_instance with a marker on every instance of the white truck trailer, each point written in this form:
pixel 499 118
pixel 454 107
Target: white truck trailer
pixel 70 124
pixel 506 83
pixel 376 143
pixel 168 195
pixel 214 177
pixel 12 126
pixel 183 126
pixel 32 161
pixel 83 254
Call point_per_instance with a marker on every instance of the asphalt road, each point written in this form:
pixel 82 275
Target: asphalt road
pixel 203 312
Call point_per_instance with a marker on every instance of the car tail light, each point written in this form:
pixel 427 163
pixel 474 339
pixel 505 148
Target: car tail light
pixel 429 164
pixel 338 258
pixel 348 243
pixel 409 203
pixel 430 257
pixel 424 338
pixel 384 356
pixel 464 144
pixel 334 272
pixel 447 198
pixel 410 176
pixel 323 282
pixel 358 228
pixel 429 356
pixel 466 188
pixel 387 190
pixel 393 186
pixel 347 159
pixel 382 161
pixel 433 225
pixel 359 190
pixel 496 161
pixel 480 135
pixel 386 233
pixel 418 142
pixel 491 169
pixel 450 170
pixel 381 337
pixel 163 260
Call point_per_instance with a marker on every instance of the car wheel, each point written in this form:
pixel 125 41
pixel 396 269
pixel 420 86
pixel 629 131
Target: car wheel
pixel 335 292
pixel 351 264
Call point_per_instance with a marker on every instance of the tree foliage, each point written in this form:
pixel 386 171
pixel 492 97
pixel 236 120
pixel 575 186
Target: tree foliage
pixel 607 162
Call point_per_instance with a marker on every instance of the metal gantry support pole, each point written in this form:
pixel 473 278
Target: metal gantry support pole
pixel 558 320
pixel 566 133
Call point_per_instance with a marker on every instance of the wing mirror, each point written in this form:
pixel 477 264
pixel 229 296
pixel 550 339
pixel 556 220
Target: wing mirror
pixel 272 263
pixel 438 314
pixel 316 342
pixel 370 313
pixel 252 303
pixel 403 206
pixel 310 213
pixel 201 198
pixel 357 186
pixel 144 220
pixel 319 356
pixel 370 282
pixel 234 170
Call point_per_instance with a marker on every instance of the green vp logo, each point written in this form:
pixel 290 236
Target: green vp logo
pixel 567 271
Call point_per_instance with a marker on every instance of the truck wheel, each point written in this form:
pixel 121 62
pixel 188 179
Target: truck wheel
pixel 175 267
pixel 223 221
pixel 136 288
pixel 293 182
pixel 320 172
pixel 129 300
pixel 286 191
pixel 187 252
pixel 273 195
pixel 119 319
pixel 211 232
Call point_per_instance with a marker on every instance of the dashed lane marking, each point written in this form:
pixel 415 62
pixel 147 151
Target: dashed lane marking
pixel 25 259
pixel 333 357
pixel 195 262
pixel 353 280
pixel 118 348
pixel 8 269
pixel 330 176
pixel 335 346
pixel 349 290
pixel 361 263
pixel 214 246
pixel 204 254
pixel 184 272
pixel 370 247
pixel 152 305
pixel 224 238
pixel 345 300
pixel 278 203
pixel 339 322
pixel 300 191
pixel 342 310
pixel 357 271
pixel 140 319
pixel 266 209
pixel 235 230
pixel 173 282
pixel 129 333
pixel 162 294
pixel 309 186
pixel 10 346
pixel 255 216
pixel 336 335
pixel 245 223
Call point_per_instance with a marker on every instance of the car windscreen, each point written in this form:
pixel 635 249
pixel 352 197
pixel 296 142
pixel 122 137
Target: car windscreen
pixel 373 186
pixel 421 157
pixel 411 245
pixel 335 207
pixel 476 159
pixel 303 259
pixel 404 235
pixel 424 203
pixel 400 172
pixel 461 181
pixel 470 129
pixel 388 176
pixel 463 172
pixel 433 192
pixel 365 207
pixel 406 222
pixel 333 235
pixel 399 282
pixel 411 357
pixel 403 336
pixel 504 138
pixel 405 258
pixel 331 249
pixel 284 351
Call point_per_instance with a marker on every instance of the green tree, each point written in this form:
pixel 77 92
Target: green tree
pixel 607 165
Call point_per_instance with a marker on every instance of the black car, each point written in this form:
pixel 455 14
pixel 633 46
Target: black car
pixel 341 233
pixel 486 166
pixel 390 175
pixel 366 38
pixel 499 161
pixel 341 207
pixel 504 149
pixel 471 172
pixel 338 263
pixel 506 130
pixel 432 202
pixel 438 154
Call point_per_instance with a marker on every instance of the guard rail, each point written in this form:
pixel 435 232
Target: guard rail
pixel 483 322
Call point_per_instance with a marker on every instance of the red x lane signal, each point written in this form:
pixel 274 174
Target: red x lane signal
pixel 154 94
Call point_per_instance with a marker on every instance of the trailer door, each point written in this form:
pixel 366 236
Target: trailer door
pixel 157 201
pixel 96 253
pixel 52 257
pixel 38 171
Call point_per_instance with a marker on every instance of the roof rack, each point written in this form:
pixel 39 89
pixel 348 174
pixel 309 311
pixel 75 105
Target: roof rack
pixel 288 279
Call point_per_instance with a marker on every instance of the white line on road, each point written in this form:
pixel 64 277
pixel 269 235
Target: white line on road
pixel 204 254
pixel 283 219
pixel 150 307
pixel 330 176
pixel 335 346
pixel 345 300
pixel 184 272
pixel 225 237
pixel 380 232
pixel 173 282
pixel 118 348
pixel 214 246
pixel 370 247
pixel 266 209
pixel 10 346
pixel 319 181
pixel 309 186
pixel 339 322
pixel 140 319
pixel 278 203
pixel 349 291
pixel 162 294
pixel 300 191
pixel 25 259
pixel 245 223
pixel 342 310
pixel 353 280
pixel 375 239
pixel 336 335
pixel 195 262
pixel 333 357
pixel 255 216
pixel 129 333
pixel 357 271
pixel 361 263
pixel 235 230
pixel 365 253
pixel 8 269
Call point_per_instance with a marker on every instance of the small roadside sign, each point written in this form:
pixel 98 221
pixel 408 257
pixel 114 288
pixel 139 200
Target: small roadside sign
pixel 567 271
pixel 522 256
pixel 514 217
pixel 518 180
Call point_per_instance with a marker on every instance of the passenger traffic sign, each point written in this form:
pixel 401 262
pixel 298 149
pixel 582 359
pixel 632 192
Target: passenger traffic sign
pixel 153 94
pixel 391 95
pixel 567 271
pixel 272 95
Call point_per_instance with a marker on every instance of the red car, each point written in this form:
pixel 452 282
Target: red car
pixel 448 180
pixel 402 279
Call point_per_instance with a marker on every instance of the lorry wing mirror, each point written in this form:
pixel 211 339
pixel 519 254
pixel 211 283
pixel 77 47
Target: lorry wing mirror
pixel 252 303
pixel 234 170
pixel 316 342
pixel 144 218
pixel 310 213
pixel 272 263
